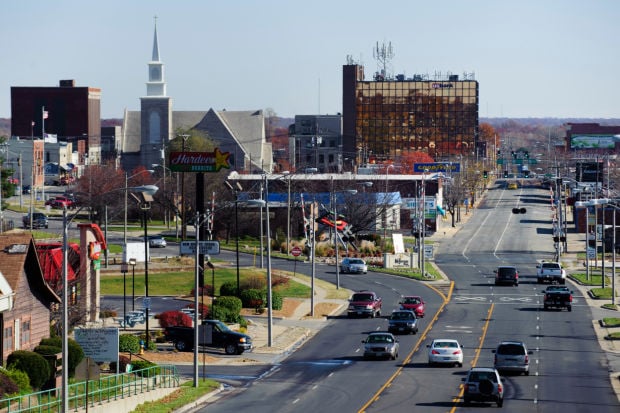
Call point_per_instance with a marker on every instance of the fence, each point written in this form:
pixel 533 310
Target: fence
pixel 95 392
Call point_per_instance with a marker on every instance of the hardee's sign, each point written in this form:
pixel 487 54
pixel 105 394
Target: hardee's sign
pixel 199 161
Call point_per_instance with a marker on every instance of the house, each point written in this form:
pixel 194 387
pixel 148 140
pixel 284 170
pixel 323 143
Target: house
pixel 26 299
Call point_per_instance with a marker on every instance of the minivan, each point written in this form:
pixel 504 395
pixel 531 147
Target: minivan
pixel 512 356
pixel 507 275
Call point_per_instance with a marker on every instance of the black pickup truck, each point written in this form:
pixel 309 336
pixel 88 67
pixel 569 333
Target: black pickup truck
pixel 558 297
pixel 211 333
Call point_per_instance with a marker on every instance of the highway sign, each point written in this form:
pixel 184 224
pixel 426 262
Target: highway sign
pixel 296 251
pixel 206 247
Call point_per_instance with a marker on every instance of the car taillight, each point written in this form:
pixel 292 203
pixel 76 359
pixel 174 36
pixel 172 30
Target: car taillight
pixel 434 352
pixel 457 352
pixel 546 297
pixel 527 359
pixel 499 388
pixel 466 387
pixel 570 298
pixel 495 359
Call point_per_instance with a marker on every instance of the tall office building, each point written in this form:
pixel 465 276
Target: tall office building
pixel 384 119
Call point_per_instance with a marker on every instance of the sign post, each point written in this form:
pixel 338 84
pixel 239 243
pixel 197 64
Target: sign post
pixel 296 252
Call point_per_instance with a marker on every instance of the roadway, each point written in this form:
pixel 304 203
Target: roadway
pixel 568 371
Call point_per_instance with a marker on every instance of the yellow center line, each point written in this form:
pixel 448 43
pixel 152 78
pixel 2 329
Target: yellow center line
pixel 485 327
pixel 428 328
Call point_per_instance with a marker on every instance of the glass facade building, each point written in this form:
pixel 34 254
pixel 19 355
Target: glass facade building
pixel 384 120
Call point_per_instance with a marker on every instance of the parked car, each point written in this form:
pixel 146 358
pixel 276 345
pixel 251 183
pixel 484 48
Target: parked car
pixel 483 384
pixel 26 189
pixel 353 265
pixel 381 345
pixel 445 351
pixel 512 356
pixel 507 275
pixel 221 336
pixel 157 241
pixel 39 220
pixel 414 303
pixel 403 322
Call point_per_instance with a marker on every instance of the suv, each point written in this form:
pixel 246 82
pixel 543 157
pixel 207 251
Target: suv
pixel 512 356
pixel 506 275
pixel 353 265
pixel 39 220
pixel 365 303
pixel 483 384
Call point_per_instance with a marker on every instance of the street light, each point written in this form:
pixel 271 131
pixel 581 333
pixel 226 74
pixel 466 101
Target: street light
pixel 147 192
pixel 126 190
pixel 236 189
pixel 132 262
pixel 265 203
pixel 387 197
pixel 336 236
pixel 164 168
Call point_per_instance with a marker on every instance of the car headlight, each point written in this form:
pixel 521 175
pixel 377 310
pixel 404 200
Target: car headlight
pixel 351 307
pixel 369 307
pixel 242 340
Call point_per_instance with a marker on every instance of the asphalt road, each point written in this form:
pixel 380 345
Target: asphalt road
pixel 567 364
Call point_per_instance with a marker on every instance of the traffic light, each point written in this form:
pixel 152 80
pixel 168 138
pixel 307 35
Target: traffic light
pixel 505 174
pixel 499 152
pixel 485 174
pixel 527 155
pixel 514 155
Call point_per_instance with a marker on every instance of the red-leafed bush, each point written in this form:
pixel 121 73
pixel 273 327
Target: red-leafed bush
pixel 174 318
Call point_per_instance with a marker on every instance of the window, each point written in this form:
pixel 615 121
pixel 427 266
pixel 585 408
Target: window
pixel 25 338
pixel 8 339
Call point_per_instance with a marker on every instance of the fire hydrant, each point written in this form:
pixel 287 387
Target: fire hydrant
pixel 141 346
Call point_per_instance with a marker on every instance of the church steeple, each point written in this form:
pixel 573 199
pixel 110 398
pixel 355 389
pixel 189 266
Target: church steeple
pixel 155 44
pixel 156 86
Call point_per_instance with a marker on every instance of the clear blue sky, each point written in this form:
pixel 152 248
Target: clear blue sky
pixel 533 58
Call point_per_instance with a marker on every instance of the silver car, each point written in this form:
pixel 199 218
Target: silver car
pixel 157 241
pixel 512 356
pixel 381 345
pixel 353 265
pixel 445 351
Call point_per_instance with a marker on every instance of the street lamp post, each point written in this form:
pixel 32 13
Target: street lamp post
pixel 132 262
pixel 127 178
pixel 236 191
pixel 124 271
pixel 264 203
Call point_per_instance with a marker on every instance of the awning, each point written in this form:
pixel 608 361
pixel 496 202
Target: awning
pixel 66 166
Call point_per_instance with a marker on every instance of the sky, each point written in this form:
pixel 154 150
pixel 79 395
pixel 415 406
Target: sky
pixel 532 58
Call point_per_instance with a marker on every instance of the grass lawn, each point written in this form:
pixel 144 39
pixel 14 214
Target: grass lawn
pixel 612 321
pixel 182 282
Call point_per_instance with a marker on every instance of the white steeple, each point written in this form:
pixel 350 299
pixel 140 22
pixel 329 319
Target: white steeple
pixel 156 86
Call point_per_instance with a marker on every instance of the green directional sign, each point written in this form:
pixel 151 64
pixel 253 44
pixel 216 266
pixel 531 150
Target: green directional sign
pixel 518 161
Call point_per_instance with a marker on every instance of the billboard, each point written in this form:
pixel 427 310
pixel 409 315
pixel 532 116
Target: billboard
pixel 592 141
pixel 199 161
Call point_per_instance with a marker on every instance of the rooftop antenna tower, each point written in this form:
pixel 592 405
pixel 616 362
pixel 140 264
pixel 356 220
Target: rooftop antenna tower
pixel 383 54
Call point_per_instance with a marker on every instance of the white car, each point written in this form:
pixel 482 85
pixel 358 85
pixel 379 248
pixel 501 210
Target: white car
pixel 445 351
pixel 353 265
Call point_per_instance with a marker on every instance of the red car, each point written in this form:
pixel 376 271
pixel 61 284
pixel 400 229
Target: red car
pixel 60 202
pixel 413 303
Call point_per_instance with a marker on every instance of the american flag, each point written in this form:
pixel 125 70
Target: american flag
pixel 45 114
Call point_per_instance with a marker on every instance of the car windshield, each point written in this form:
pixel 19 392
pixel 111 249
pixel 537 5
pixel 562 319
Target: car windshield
pixel 511 349
pixel 221 327
pixel 362 297
pixel 354 261
pixel 412 300
pixel 379 339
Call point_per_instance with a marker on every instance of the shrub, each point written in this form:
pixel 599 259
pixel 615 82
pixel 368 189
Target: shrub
pixel 31 363
pixel 128 343
pixel 256 281
pixel 232 303
pixel 204 290
pixel 226 315
pixel 76 353
pixel 7 386
pixel 123 361
pixel 278 279
pixel 276 300
pixel 144 364
pixel 108 313
pixel 174 318
pixel 228 289
pixel 252 298
pixel 20 378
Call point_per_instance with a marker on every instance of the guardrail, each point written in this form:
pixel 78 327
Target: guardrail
pixel 104 390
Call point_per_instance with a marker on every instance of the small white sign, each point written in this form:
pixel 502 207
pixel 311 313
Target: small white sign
pixel 428 252
pixel 100 344
pixel 591 253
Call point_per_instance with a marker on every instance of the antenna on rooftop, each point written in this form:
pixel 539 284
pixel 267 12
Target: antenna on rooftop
pixel 383 54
